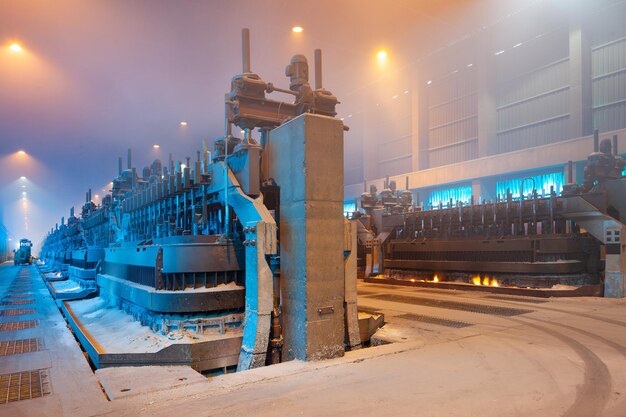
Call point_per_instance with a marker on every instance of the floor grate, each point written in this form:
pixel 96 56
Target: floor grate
pixel 519 300
pixel 16 312
pixel 24 385
pixel 18 295
pixel 18 325
pixel 452 305
pixel 15 347
pixel 17 302
pixel 435 320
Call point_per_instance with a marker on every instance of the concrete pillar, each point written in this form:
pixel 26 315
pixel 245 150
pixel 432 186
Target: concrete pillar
pixel 615 261
pixel 581 113
pixel 419 123
pixel 307 156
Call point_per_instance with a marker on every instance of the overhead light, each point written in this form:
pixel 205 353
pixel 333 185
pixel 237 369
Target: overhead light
pixel 517 44
pixel 23 192
pixel 22 177
pixel 394 97
pixel 21 152
pixel 297 29
pixel 382 55
pixel 406 91
pixel 429 82
pixel 156 146
pixel 499 52
pixel 183 166
pixel 183 123
pixel 469 65
pixel 16 47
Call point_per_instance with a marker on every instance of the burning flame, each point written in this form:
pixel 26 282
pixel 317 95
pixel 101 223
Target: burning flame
pixel 486 281
pixel 435 278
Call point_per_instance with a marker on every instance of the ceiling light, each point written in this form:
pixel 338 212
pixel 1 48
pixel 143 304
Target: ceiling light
pixel 381 55
pixel 16 47
pixel 297 29
pixel 156 146
pixel 183 123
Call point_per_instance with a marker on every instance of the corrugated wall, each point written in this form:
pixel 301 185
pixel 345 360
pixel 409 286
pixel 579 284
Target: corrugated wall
pixel 532 96
pixel 453 118
pixel 608 59
pixel 390 124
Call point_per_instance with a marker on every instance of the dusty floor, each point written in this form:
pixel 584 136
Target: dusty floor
pixel 456 354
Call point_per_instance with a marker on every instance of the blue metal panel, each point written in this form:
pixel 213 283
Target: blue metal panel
pixel 462 193
pixel 542 182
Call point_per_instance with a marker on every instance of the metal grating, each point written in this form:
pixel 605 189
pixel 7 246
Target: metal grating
pixel 24 385
pixel 16 312
pixel 18 296
pixel 15 347
pixel 18 302
pixel 516 299
pixel 453 305
pixel 435 320
pixel 18 325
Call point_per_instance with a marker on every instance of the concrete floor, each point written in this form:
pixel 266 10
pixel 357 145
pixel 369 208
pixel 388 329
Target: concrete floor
pixel 513 357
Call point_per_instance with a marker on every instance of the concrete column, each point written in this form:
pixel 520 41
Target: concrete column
pixel 581 113
pixel 419 123
pixel 486 86
pixel 307 155
pixel 370 142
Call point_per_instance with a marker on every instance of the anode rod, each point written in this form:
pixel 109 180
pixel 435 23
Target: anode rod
pixel 318 69
pixel 130 158
pixel 570 172
pixel 119 166
pixel 614 144
pixel 596 140
pixel 245 49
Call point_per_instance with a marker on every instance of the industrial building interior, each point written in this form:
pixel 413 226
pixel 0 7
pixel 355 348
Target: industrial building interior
pixel 329 208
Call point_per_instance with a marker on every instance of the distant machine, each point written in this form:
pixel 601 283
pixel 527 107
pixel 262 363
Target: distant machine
pixel 569 242
pixel 22 255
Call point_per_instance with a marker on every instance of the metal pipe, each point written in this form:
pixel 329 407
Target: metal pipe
pixel 596 140
pixel 318 69
pixel 130 158
pixel 245 49
pixel 119 166
pixel 615 145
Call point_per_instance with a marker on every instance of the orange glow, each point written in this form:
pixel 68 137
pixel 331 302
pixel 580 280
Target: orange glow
pixel 486 281
pixel 435 278
pixel 21 152
pixel 382 55
pixel 297 29
pixel 16 47
pixel 495 283
pixel 476 280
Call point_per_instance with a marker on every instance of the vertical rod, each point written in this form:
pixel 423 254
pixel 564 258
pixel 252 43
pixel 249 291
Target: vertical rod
pixel 570 172
pixel 596 140
pixel 119 166
pixel 615 145
pixel 318 69
pixel 406 183
pixel 245 49
pixel 130 158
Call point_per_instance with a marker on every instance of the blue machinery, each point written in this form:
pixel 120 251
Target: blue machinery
pixel 183 264
pixel 533 246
